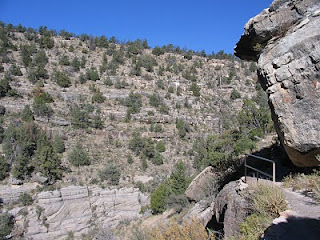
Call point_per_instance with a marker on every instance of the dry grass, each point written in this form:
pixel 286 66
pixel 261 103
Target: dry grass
pixel 188 230
pixel 307 183
pixel 267 202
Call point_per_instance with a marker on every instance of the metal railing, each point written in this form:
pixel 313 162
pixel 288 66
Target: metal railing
pixel 273 176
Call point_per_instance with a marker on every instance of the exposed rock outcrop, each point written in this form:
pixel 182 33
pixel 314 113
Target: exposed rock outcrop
pixel 203 185
pixel 228 209
pixel 285 40
pixel 78 209
pixel 231 208
pixel 202 210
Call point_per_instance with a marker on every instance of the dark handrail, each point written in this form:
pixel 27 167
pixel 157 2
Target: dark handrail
pixel 259 171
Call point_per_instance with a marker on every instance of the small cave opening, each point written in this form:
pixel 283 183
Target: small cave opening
pixel 217 226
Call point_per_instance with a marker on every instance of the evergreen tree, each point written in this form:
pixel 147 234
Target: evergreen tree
pixel 58 144
pixel 178 180
pixel 27 114
pixel 158 198
pixel 78 156
pixel 47 161
pixel 4 168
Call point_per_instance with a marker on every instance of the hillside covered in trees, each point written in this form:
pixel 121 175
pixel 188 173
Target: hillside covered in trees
pixel 94 111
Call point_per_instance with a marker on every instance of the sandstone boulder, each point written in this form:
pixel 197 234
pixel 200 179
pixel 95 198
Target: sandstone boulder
pixel 230 208
pixel 203 185
pixel 285 40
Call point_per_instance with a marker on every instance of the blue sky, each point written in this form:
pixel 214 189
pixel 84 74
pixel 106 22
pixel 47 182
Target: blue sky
pixel 211 25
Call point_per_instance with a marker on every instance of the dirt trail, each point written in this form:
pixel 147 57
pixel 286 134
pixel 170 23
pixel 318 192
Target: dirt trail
pixel 302 205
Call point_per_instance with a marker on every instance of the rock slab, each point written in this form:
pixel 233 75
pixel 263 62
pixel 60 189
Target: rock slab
pixel 285 40
pixel 79 209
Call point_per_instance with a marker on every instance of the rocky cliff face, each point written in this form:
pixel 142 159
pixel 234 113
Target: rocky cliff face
pixel 285 40
pixel 77 209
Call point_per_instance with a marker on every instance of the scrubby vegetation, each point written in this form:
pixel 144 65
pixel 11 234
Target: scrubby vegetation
pixel 170 192
pixel 266 204
pixel 123 110
pixel 27 149
pixel 310 184
pixel 192 229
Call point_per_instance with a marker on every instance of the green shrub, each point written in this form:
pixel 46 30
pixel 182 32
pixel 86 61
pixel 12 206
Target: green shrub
pixel 4 86
pixel 183 128
pixel 58 144
pixel 15 70
pixel 83 62
pixel 133 102
pixel 46 42
pixel 82 78
pixel 254 226
pixel 4 168
pixel 26 53
pixel 195 89
pixel 41 108
pixel 48 163
pixel 253 117
pixel 78 156
pixel 37 69
pixel 61 78
pixel 235 94
pixel 158 198
pixel 1 134
pixel 25 199
pixel 161 147
pixel 71 48
pixel 79 117
pixel 27 114
pixel 92 74
pixel 120 84
pixel 111 173
pixel 97 122
pixel 160 84
pixel 64 60
pixel 157 159
pixel 108 82
pixel 75 63
pixel 19 145
pixel 143 146
pixel 6 225
pixel 178 180
pixel 2 110
pixel 98 96
pixel 269 200
pixel 171 89
pixel 155 100
pixel 157 51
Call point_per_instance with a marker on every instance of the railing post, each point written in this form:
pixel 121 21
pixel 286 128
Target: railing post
pixel 245 168
pixel 274 172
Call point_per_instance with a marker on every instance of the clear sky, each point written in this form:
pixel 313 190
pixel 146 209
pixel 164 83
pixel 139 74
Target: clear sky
pixel 211 25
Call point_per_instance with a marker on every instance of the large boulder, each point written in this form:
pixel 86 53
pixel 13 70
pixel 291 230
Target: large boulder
pixel 285 40
pixel 204 185
pixel 231 208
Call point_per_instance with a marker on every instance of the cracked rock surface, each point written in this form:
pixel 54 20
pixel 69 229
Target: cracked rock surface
pixel 78 209
pixel 285 40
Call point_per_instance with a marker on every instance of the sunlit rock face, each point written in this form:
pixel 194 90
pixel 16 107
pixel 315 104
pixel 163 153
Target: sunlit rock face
pixel 285 40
